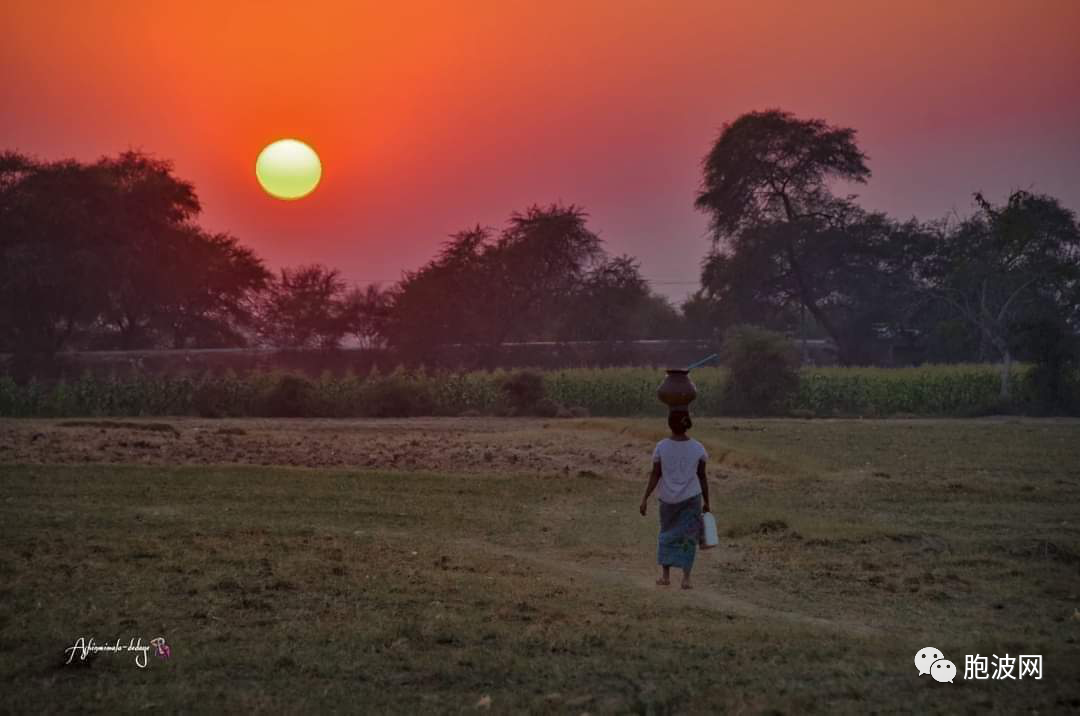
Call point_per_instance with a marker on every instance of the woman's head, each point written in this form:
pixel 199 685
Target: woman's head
pixel 679 421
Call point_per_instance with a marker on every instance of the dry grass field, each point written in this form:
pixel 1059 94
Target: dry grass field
pixel 481 565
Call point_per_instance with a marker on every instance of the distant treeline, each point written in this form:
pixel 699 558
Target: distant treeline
pixel 109 255
pixel 360 361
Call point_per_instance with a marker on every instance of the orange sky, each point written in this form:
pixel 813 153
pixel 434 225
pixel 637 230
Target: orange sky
pixel 432 117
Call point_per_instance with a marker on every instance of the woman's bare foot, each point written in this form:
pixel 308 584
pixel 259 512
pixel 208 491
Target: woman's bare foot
pixel 663 581
pixel 686 585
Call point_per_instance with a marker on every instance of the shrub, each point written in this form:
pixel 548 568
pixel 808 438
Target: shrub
pixel 477 391
pixel 227 395
pixel 290 397
pixel 338 396
pixel 209 401
pixel 396 396
pixel 763 371
pixel 1050 381
pixel 523 391
pixel 548 408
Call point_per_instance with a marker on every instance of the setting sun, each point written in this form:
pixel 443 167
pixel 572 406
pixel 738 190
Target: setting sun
pixel 288 169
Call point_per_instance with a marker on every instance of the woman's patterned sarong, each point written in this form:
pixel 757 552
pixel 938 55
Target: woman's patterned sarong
pixel 681 529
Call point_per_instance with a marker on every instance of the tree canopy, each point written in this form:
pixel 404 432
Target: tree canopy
pixel 782 242
pixel 545 276
pixel 1006 266
pixel 780 237
pixel 113 247
pixel 771 166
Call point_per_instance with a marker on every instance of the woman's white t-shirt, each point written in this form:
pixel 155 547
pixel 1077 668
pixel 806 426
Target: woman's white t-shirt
pixel 678 468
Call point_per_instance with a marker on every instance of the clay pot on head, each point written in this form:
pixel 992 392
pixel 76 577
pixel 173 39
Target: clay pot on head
pixel 677 391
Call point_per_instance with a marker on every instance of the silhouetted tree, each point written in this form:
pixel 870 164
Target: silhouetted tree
pixel 448 300
pixel 771 166
pixel 305 308
pixel 609 304
pixel 367 312
pixel 766 192
pixel 701 315
pixel 209 294
pixel 52 259
pixel 859 266
pixel 1009 264
pixel 487 290
pixel 148 225
pixel 659 318
pixel 112 246
pixel 539 262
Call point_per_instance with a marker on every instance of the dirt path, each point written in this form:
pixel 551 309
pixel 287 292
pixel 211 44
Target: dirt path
pixel 701 596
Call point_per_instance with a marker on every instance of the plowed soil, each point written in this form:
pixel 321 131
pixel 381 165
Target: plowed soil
pixel 439 445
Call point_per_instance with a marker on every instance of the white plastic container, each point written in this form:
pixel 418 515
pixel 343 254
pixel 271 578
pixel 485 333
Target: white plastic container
pixel 711 537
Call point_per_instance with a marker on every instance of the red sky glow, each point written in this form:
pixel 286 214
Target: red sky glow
pixel 433 117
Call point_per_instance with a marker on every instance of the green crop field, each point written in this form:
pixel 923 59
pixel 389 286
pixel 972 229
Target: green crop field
pixel 462 565
pixel 955 390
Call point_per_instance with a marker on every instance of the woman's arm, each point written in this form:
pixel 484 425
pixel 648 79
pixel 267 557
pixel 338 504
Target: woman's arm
pixel 704 486
pixel 654 479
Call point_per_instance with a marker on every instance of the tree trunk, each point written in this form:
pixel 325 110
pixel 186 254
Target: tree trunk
pixel 842 353
pixel 819 315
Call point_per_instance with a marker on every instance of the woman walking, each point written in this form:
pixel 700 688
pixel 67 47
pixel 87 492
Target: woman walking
pixel 679 469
